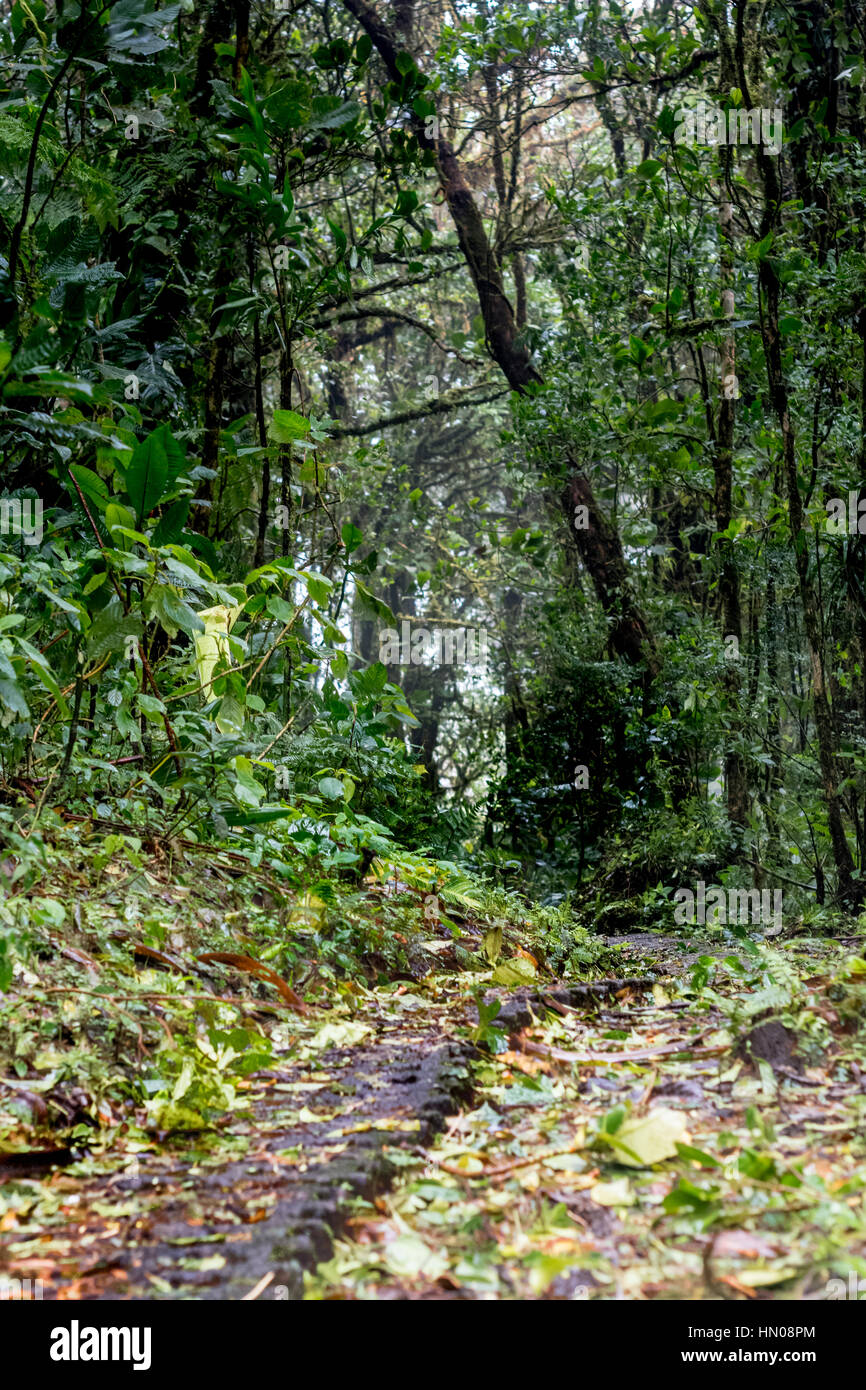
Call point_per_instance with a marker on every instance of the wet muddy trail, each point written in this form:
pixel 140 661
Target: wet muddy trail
pixel 630 1137
pixel 213 1220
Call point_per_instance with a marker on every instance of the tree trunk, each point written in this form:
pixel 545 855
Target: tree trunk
pixel 736 781
pixel 599 544
pixel 849 891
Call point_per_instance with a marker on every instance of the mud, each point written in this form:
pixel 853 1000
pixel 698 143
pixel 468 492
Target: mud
pixel 203 1224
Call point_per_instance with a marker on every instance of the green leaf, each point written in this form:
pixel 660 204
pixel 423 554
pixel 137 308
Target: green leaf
pixel 230 717
pixel 147 474
pixel 247 788
pixel 117 516
pixel 759 250
pixel 408 1257
pixel 94 488
pixel 667 122
pixel 514 972
pixel 288 425
pixel 332 788
pixel 151 707
pixel 280 609
pixel 699 1156
pixel 345 114
pixel 642 1141
pixel 491 944
pixel 318 587
pixel 368 602
pixel 13 697
pixel 110 629
pixel 664 409
pixel 638 349
pixel 172 522
pixel 174 613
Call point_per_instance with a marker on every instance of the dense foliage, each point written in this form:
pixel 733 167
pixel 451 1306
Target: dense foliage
pixel 432 535
pixel 416 442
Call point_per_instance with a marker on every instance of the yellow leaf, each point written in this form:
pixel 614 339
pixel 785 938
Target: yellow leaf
pixel 650 1138
pixel 613 1194
pixel 213 644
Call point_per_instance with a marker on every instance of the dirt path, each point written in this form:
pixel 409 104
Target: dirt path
pixel 643 1139
pixel 266 1200
pixel 700 1140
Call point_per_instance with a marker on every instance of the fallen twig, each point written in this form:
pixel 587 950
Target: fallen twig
pixel 146 996
pixel 560 1054
pixel 259 1288
pixel 504 1168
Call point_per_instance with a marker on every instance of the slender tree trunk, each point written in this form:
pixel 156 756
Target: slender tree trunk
pixel 242 36
pixel 217 29
pixel 516 718
pixel 741 52
pixel 736 782
pixel 216 361
pixel 850 891
pixel 599 544
pixel 265 501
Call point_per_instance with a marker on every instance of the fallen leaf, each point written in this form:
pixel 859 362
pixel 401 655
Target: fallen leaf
pixel 761 1277
pixel 517 971
pixel 408 1257
pixel 613 1194
pixel 264 972
pixel 640 1142
pixel 339 1035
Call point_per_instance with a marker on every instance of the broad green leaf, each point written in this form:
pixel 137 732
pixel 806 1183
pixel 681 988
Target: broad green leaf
pixel 281 610
pixel 94 488
pixel 368 602
pixel 409 1257
pixel 516 971
pixel 174 613
pixel 147 474
pixel 172 522
pixel 332 788
pixel 110 630
pixel 288 425
pixel 247 788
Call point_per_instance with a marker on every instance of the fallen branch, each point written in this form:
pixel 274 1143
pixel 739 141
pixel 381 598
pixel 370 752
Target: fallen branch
pixel 440 406
pixel 147 996
pixel 559 1054
pixel 504 1168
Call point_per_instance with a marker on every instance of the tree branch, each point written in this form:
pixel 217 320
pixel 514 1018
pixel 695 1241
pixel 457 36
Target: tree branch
pixel 450 401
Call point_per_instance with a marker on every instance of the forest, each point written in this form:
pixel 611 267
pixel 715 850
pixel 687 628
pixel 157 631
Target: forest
pixel 433 652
